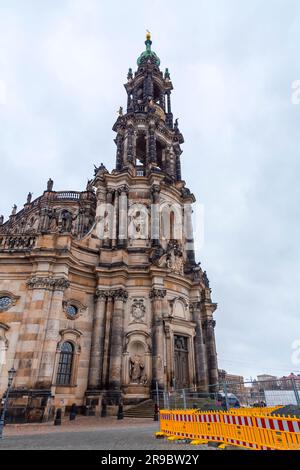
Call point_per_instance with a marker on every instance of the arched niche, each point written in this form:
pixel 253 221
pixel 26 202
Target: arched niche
pixel 137 359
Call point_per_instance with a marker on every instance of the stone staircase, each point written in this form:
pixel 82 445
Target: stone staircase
pixel 142 410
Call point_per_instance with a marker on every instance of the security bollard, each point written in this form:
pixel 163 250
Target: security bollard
pixel 156 412
pixel 103 409
pixel 73 412
pixel 120 414
pixel 57 420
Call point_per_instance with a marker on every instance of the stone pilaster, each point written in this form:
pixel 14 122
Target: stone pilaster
pixel 32 328
pixel 155 235
pixel 152 146
pixel 106 345
pixel 115 231
pixel 49 344
pixel 97 346
pixel 117 334
pixel 188 230
pixel 157 296
pixel 130 150
pixel 199 348
pixel 123 216
pixel 178 164
pixel 109 219
pixel 119 156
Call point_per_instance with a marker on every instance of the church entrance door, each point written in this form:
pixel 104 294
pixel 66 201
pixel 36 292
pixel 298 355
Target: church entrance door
pixel 181 361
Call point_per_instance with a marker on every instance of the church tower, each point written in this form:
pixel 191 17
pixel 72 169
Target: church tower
pixel 162 327
pixel 100 293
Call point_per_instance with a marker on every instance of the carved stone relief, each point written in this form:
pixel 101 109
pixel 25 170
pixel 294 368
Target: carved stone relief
pixel 138 311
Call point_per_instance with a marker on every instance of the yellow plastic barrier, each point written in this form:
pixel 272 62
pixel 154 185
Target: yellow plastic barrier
pixel 253 411
pixel 258 431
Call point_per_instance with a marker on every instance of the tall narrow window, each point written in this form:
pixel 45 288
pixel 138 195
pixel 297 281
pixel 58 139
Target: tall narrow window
pixel 64 373
pixel 172 226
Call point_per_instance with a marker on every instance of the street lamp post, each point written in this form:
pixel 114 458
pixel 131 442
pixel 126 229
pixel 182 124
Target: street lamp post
pixel 11 374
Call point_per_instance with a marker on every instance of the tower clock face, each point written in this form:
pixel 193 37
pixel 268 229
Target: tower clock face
pixel 5 302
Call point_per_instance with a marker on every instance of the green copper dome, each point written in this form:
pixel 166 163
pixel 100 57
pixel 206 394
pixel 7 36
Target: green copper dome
pixel 148 53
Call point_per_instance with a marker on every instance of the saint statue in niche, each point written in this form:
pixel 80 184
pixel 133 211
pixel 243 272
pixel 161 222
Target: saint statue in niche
pixel 136 369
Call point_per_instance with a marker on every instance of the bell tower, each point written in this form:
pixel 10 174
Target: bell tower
pixel 147 138
pixel 158 330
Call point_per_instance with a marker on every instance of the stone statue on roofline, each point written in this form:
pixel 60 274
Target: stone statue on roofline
pixel 50 185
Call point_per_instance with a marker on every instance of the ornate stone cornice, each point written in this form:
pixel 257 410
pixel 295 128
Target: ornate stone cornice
pixel 157 293
pixel 117 294
pixel 110 191
pixel 195 305
pixel 49 283
pixel 209 323
pixel 102 294
pixel 120 294
pixel 124 189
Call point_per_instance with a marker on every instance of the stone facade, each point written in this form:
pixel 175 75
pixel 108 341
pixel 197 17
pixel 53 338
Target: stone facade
pixel 100 294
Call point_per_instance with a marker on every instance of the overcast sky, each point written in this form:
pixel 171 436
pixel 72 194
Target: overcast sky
pixel 232 63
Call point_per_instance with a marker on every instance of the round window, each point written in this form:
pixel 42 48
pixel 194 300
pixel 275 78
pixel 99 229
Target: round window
pixel 72 310
pixel 5 302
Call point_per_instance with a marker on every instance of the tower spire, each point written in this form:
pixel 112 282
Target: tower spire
pixel 147 140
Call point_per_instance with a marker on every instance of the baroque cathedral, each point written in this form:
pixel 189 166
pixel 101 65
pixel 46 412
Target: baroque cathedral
pixel 100 293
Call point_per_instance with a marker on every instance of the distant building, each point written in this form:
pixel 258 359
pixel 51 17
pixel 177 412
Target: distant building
pixel 235 383
pixel 267 382
pixel 289 382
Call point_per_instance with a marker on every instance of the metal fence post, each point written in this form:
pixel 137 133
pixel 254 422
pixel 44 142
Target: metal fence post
pixel 165 401
pixel 184 399
pixel 296 391
pixel 157 394
pixel 226 396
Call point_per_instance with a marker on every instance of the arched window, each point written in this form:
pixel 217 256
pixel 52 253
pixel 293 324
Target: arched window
pixel 64 373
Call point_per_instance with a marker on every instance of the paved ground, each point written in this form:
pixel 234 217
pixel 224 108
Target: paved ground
pixel 90 433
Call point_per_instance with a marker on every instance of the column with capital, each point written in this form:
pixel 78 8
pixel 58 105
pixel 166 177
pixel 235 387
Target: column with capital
pixel 157 296
pixel 97 345
pixel 117 334
pixel 211 352
pixel 199 347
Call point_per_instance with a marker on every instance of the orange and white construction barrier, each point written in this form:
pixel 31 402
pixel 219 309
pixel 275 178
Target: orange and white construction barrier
pixel 257 431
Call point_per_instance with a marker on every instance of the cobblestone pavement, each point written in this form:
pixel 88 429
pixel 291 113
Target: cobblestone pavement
pixel 90 433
